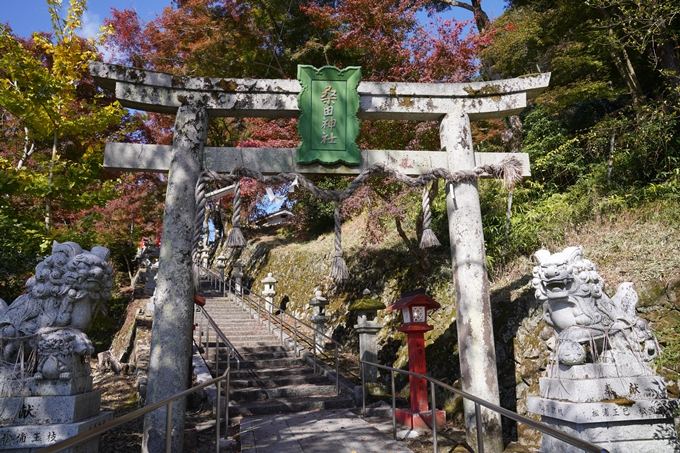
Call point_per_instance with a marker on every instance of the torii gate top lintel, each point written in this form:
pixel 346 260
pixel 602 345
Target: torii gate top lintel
pixel 159 92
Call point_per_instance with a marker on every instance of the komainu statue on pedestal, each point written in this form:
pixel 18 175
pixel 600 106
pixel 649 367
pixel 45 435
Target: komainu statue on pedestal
pixel 43 331
pixel 600 385
pixel 590 327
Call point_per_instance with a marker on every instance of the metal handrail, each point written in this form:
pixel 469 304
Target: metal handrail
pixel 293 328
pixel 227 282
pixel 545 429
pixel 221 338
pixel 72 441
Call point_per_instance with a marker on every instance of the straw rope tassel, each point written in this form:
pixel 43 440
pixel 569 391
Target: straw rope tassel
pixel 429 239
pixel 235 238
pixel 339 271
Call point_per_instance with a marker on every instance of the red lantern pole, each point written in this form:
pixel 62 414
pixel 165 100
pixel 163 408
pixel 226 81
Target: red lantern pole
pixel 414 306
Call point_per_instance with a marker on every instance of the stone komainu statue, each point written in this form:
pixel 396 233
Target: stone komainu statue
pixel 43 330
pixel 590 327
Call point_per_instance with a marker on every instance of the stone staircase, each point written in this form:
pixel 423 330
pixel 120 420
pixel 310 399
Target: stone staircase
pixel 270 379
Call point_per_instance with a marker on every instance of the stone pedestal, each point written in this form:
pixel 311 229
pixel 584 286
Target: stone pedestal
pixel 620 414
pixel 37 413
pixel 367 327
pixel 319 319
pixel 368 349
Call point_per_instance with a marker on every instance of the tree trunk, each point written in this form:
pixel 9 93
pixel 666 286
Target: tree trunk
pixel 623 63
pixel 48 200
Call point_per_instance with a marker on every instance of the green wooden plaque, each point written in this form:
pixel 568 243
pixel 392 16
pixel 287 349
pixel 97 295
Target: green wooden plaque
pixel 328 123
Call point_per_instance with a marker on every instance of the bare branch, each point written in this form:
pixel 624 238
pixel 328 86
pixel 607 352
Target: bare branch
pixel 27 151
pixel 460 4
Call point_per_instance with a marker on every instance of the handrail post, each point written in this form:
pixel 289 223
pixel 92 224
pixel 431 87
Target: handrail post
pixel 281 321
pixel 226 399
pixel 200 328
pixel 434 417
pixel 168 428
pixel 295 334
pixel 207 341
pixel 394 407
pixel 217 354
pixel 269 310
pixel 217 416
pixel 259 311
pixel 315 354
pixel 337 371
pixel 363 391
pixel 480 434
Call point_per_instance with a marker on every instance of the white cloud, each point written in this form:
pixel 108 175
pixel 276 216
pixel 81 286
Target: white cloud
pixel 91 24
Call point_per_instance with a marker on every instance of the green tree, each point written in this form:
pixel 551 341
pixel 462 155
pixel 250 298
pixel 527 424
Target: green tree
pixel 53 122
pixel 42 86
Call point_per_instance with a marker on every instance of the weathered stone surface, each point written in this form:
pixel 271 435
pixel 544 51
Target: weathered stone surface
pixel 46 387
pixel 600 413
pixel 171 340
pixel 273 98
pixel 590 327
pixel 598 389
pixel 52 317
pixel 640 436
pixel 156 158
pixel 46 410
pixel 474 319
pixel 40 436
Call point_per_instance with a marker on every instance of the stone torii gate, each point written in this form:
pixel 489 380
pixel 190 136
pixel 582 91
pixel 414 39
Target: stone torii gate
pixel 193 100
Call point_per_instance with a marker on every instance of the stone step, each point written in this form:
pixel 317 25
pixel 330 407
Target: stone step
pixel 235 318
pixel 260 364
pixel 262 349
pixel 242 334
pixel 240 344
pixel 251 338
pixel 278 381
pixel 290 405
pixel 252 356
pixel 266 373
pixel 248 395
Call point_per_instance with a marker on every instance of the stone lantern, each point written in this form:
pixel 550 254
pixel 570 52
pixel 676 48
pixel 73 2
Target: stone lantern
pixel 319 318
pixel 238 275
pixel 414 306
pixel 221 265
pixel 204 256
pixel 367 327
pixel 268 292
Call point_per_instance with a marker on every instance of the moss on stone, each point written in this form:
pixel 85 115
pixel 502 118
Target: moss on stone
pixel 367 304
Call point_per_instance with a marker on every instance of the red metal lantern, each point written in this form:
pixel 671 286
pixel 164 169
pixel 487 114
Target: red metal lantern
pixel 414 306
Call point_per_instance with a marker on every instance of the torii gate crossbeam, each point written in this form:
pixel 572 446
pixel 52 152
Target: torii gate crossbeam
pixel 194 99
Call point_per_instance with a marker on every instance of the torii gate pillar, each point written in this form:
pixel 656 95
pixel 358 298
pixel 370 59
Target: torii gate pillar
pixel 170 360
pixel 476 349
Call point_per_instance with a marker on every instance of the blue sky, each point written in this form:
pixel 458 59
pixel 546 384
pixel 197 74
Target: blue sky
pixel 27 16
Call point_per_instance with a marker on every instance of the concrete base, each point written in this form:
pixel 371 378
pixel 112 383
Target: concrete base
pixel 645 426
pixel 419 420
